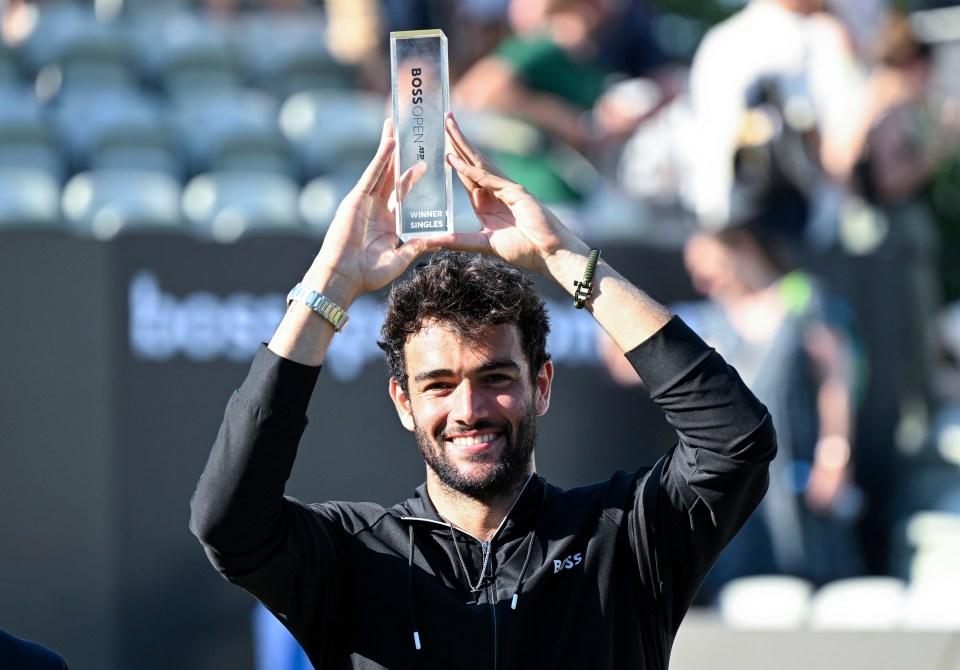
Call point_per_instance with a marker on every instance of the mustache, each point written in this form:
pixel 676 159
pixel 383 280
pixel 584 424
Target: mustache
pixel 442 434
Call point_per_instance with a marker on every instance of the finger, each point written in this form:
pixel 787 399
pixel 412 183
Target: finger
pixel 412 249
pixel 393 196
pixel 468 183
pixel 477 175
pixel 409 178
pixel 385 185
pixel 372 178
pixel 460 144
pixel 466 150
pixel 453 133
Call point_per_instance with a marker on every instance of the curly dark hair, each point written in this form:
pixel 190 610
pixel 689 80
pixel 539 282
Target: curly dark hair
pixel 465 292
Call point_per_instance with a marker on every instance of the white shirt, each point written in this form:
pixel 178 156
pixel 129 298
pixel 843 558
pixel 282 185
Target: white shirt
pixel 763 40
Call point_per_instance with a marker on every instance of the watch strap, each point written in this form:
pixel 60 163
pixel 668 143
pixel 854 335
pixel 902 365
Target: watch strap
pixel 319 303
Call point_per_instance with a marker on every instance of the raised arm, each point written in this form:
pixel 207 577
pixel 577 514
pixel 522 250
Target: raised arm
pixel 273 546
pixel 697 496
pixel 361 252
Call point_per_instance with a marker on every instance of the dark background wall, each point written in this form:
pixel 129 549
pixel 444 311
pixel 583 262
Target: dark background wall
pixel 116 361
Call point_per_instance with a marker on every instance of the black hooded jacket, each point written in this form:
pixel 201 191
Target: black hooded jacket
pixel 594 577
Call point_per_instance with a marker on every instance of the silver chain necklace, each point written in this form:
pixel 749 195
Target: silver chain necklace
pixel 483 568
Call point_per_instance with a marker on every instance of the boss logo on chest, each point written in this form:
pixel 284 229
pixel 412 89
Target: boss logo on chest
pixel 567 563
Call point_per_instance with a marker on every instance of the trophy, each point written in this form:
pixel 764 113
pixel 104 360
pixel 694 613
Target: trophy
pixel 421 98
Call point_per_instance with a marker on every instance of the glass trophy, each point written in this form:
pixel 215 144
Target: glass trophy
pixel 421 99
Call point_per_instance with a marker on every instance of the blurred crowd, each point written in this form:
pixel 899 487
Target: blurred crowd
pixel 757 137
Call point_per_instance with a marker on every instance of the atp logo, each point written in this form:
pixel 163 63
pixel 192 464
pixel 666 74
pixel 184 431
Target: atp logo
pixel 567 563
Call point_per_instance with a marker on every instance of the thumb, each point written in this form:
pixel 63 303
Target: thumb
pixel 412 249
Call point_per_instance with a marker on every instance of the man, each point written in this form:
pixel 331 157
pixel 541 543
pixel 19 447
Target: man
pixel 487 565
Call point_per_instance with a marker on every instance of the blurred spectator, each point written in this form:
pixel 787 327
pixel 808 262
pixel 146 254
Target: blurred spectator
pixel 358 31
pixel 19 18
pixel 550 73
pixel 356 35
pixel 627 43
pixel 474 27
pixel 906 135
pixel 795 346
pixel 864 19
pixel 774 87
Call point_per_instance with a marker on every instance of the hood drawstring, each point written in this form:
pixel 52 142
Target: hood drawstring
pixel 413 613
pixel 526 561
pixel 516 593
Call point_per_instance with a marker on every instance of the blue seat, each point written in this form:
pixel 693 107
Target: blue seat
pixel 92 124
pixel 99 59
pixel 29 199
pixel 57 25
pixel 11 72
pixel 181 52
pixel 234 130
pixel 319 200
pixel 333 131
pixel 105 203
pixel 27 139
pixel 285 52
pixel 225 206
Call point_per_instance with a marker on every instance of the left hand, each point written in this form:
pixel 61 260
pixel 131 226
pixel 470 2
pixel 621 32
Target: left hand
pixel 517 227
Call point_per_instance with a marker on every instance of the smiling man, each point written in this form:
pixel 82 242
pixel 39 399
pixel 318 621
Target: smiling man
pixel 465 340
pixel 487 565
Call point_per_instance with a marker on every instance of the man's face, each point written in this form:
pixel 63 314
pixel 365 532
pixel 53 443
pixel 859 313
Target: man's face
pixel 473 407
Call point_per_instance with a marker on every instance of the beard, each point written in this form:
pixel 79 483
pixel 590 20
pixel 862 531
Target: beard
pixel 505 475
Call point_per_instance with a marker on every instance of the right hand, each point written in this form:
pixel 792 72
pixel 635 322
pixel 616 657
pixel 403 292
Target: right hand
pixel 361 251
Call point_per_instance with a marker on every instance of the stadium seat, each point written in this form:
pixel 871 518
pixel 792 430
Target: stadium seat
pixel 319 200
pixel 93 124
pixel 931 605
pixel 26 139
pixel 859 603
pixel 29 199
pixel 57 25
pixel 95 60
pixel 105 203
pixel 284 52
pixel 233 130
pixel 181 52
pixel 333 130
pixel 11 73
pixel 765 602
pixel 225 206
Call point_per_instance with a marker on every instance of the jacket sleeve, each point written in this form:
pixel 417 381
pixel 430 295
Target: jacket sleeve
pixel 272 546
pixel 696 498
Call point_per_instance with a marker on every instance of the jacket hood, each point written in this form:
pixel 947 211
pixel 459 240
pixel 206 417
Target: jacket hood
pixel 519 521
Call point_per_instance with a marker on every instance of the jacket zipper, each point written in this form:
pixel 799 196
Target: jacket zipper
pixel 492 596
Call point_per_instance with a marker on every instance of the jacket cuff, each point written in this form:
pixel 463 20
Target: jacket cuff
pixel 666 355
pixel 278 384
